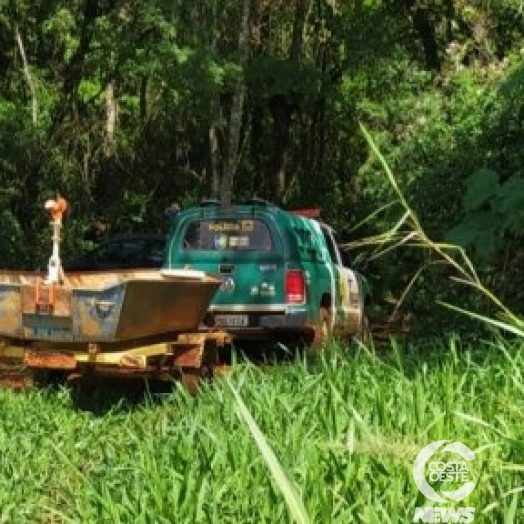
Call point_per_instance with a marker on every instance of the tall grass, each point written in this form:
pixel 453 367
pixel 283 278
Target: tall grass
pixel 409 232
pixel 345 431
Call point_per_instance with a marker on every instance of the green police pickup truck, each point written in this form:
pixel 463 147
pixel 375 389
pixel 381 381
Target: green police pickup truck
pixel 282 272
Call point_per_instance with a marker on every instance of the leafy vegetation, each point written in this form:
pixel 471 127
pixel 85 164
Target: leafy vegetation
pixel 345 429
pixel 126 108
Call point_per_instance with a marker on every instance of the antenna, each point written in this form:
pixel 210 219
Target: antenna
pixel 260 202
pixel 206 202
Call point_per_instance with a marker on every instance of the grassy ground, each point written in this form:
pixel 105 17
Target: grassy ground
pixel 345 428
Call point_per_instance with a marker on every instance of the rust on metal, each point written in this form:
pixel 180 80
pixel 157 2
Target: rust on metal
pixel 10 352
pixel 190 380
pixel 133 361
pixel 139 322
pixel 44 296
pixel 49 360
pixel 168 304
pixel 103 307
pixel 15 381
pixel 219 337
pixel 187 355
pixel 192 350
pixel 10 317
pixel 11 367
pixel 92 351
pixel 39 297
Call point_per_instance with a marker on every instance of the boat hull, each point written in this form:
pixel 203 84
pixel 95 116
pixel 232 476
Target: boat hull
pixel 103 307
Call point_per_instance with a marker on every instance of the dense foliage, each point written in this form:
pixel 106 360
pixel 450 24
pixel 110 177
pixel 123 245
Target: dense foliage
pixel 124 107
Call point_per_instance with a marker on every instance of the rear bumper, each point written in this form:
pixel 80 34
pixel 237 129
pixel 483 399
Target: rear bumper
pixel 294 320
pixel 268 326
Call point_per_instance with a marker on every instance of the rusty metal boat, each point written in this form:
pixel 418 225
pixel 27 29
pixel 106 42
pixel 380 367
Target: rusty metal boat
pixel 139 322
pixel 128 321
pixel 102 307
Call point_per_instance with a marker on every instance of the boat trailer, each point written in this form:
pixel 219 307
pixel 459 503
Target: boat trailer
pixel 140 323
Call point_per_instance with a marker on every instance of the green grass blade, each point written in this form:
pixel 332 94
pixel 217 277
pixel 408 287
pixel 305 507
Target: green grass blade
pixel 497 323
pixel 293 500
pixel 511 512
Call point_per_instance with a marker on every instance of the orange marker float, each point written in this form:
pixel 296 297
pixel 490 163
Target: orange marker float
pixel 57 208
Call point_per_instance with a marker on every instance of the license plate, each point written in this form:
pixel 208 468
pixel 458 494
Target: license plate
pixel 232 320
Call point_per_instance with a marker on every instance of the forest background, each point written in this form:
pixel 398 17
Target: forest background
pixel 124 107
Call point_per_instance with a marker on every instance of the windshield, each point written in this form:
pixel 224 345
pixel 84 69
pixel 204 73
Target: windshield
pixel 228 234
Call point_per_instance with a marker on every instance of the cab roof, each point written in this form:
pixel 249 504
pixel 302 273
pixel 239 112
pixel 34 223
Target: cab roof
pixel 256 205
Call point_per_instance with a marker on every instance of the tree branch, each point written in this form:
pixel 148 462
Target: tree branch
pixel 27 74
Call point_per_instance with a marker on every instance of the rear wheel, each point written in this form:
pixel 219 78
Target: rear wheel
pixel 364 333
pixel 323 330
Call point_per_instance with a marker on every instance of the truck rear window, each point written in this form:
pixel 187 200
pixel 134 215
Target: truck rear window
pixel 228 234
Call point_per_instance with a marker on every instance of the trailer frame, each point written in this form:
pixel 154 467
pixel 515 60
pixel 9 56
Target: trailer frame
pixel 187 356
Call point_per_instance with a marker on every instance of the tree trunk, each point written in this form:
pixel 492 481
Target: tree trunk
pixel 298 30
pixel 281 112
pixel 237 106
pixel 425 29
pixel 143 99
pixel 111 116
pixel 213 133
pixel 214 153
pixel 282 108
pixel 28 76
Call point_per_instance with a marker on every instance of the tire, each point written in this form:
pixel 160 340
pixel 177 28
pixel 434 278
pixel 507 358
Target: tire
pixel 53 378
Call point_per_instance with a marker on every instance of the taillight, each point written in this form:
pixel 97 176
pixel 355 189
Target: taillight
pixel 295 287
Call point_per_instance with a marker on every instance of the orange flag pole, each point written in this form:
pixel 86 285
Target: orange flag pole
pixel 57 208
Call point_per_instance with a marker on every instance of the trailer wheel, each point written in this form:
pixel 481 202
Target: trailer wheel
pixel 42 377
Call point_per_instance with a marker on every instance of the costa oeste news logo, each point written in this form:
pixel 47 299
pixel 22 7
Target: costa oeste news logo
pixel 440 473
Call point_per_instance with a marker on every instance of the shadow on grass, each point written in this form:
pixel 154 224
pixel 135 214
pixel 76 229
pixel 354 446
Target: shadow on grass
pixel 101 395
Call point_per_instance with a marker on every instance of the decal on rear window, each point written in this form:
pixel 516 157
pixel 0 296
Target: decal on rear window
pixel 234 235
pixel 237 225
